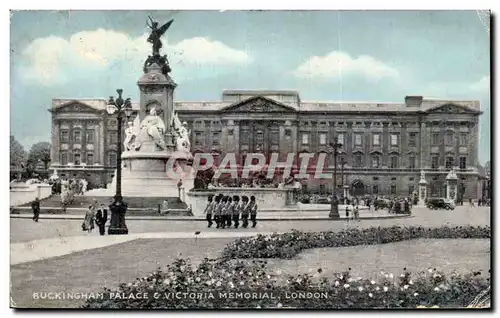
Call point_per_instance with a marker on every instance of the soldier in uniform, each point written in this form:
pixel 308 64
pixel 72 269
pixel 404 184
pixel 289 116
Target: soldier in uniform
pixel 253 211
pixel 236 211
pixel 217 210
pixel 209 210
pixel 244 211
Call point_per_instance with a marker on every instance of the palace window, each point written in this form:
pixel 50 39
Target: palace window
pixel 394 140
pixel 358 161
pixel 113 137
pixel 463 162
pixel 197 138
pixel 90 159
pixel 358 139
pixel 434 162
pixel 449 138
pixel 288 133
pixel 394 161
pixel 449 163
pixel 375 189
pixel 411 162
pixel 376 139
pixel 305 138
pixel 412 139
pixel 411 189
pixel 435 138
pixel 77 136
pixel 64 135
pixel 275 136
pixel 322 189
pixel 393 189
pixel 340 139
pixel 463 139
pixel 230 132
pixel 375 178
pixel 77 158
pixel 215 139
pixel 112 158
pixel 375 161
pixel 113 122
pixel 322 139
pixel 89 136
pixel 64 157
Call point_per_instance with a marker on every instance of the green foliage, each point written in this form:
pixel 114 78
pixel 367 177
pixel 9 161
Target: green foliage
pixel 39 152
pixel 18 155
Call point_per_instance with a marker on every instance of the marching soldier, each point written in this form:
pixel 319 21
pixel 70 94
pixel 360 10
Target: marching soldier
pixel 244 211
pixel 209 210
pixel 253 211
pixel 236 211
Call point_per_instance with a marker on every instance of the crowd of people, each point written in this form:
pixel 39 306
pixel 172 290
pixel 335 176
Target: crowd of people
pixel 227 211
pixel 97 214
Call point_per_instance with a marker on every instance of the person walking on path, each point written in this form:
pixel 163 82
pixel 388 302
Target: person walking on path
pixel 88 221
pixel 471 203
pixel 223 209
pixel 209 210
pixel 356 213
pixel 217 211
pixel 244 211
pixel 35 206
pixel 229 211
pixel 101 218
pixel 253 211
pixel 236 211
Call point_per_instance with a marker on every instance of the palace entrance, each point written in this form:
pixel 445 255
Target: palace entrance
pixel 357 189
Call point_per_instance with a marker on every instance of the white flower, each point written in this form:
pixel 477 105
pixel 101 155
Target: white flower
pixel 208 283
pixel 337 283
pixel 231 284
pixel 359 278
pixel 391 276
pixel 386 276
pixel 441 286
pixel 210 274
pixel 298 280
pixel 250 274
pixel 258 306
pixel 268 276
pixel 410 282
pixel 346 286
pixel 198 279
pixel 415 294
pixel 341 276
pixel 241 273
pixel 430 270
pixel 350 280
pixel 166 282
pixel 278 272
pixel 402 275
pixel 360 288
pixel 242 283
pixel 280 305
pixel 370 295
pixel 382 272
pixel 386 288
pixel 218 283
pixel 129 284
pixel 373 282
pixel 182 268
pixel 377 288
pixel 436 289
pixel 406 286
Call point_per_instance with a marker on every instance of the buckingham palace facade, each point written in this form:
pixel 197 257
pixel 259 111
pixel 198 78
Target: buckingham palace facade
pixel 385 145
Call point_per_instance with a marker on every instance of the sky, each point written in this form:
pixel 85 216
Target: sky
pixel 378 56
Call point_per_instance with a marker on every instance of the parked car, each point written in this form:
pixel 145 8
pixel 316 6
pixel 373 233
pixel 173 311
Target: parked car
pixel 440 203
pixel 381 204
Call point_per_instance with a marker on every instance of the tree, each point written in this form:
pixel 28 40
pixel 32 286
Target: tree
pixel 17 154
pixel 40 152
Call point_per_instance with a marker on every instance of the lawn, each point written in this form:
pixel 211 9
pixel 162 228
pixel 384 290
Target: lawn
pixel 367 261
pixel 89 271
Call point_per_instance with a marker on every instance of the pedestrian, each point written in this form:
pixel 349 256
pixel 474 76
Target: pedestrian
pixel 356 213
pixel 471 203
pixel 88 221
pixel 244 211
pixel 217 211
pixel 35 206
pixel 253 211
pixel 209 210
pixel 236 211
pixel 347 212
pixel 101 218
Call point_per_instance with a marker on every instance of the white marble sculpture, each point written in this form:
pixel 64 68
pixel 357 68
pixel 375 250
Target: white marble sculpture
pixel 182 135
pixel 154 127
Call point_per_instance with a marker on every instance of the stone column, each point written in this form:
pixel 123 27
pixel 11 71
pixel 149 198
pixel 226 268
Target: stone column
pixel 422 189
pixel 54 150
pixel 451 185
pixel 346 193
pixel 100 144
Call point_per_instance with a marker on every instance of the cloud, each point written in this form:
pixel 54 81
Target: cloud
pixel 482 86
pixel 53 60
pixel 338 64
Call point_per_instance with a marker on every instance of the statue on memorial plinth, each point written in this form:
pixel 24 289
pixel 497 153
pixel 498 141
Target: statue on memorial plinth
pixel 154 127
pixel 155 39
pixel 182 135
pixel 130 136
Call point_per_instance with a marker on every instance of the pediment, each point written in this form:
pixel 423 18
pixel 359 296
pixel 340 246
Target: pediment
pixel 450 108
pixel 75 107
pixel 258 104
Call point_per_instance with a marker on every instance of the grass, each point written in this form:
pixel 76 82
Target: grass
pixel 447 255
pixel 91 270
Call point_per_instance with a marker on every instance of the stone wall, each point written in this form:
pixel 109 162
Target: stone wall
pixel 24 194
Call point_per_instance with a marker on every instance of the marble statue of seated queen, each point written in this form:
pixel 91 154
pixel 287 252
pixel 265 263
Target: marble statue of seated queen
pixel 154 127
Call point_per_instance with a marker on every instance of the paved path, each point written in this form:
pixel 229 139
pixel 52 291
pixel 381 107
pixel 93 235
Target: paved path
pixel 32 241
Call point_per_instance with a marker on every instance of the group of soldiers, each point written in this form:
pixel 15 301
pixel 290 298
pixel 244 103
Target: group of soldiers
pixel 227 211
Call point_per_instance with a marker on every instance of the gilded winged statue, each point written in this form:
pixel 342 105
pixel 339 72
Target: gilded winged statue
pixel 156 34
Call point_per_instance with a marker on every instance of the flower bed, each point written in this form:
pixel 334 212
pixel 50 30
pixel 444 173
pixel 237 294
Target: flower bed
pixel 288 245
pixel 211 285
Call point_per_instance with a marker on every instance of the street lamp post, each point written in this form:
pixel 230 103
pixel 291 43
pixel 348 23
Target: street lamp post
pixel 343 162
pixel 334 206
pixel 118 208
